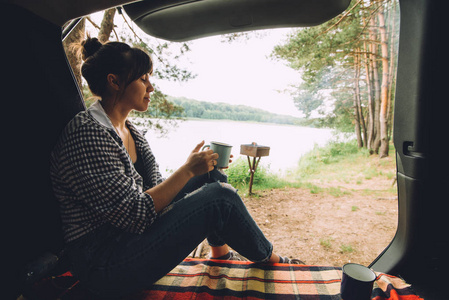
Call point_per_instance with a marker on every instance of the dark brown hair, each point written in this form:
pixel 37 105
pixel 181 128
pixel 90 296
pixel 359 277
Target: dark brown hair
pixel 112 58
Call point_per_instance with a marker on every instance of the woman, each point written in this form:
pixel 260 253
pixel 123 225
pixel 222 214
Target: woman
pixel 125 226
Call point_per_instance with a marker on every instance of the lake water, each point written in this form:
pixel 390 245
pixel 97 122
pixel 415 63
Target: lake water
pixel 287 143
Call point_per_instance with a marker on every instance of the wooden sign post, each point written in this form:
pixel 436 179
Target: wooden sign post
pixel 256 152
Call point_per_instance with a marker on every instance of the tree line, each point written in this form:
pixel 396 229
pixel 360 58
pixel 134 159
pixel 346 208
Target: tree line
pixel 348 68
pixel 223 111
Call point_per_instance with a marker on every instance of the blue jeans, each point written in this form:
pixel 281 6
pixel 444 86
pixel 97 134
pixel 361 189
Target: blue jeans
pixel 114 263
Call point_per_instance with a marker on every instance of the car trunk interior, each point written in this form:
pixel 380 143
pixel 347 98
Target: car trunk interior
pixel 50 98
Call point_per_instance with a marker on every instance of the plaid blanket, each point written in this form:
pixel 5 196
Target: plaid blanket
pixel 216 279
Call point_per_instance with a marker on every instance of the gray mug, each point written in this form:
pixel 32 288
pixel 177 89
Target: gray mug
pixel 224 153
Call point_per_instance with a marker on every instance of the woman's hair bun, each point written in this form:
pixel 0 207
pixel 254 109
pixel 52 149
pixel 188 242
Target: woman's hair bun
pixel 89 47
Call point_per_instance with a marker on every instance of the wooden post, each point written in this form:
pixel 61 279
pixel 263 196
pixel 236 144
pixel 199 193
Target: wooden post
pixel 256 152
pixel 252 169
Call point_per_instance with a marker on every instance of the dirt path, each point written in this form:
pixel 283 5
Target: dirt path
pixel 324 230
pixel 327 228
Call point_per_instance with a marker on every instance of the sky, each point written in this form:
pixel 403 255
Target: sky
pixel 240 72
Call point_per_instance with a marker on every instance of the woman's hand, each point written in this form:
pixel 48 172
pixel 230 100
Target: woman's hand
pixel 200 162
pixel 230 161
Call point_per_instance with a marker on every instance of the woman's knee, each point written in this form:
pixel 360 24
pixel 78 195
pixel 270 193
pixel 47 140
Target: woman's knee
pixel 224 193
pixel 221 189
pixel 218 192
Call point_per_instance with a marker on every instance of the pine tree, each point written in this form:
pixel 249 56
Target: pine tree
pixel 351 58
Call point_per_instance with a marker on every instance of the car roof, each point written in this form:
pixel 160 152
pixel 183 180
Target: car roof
pixel 180 20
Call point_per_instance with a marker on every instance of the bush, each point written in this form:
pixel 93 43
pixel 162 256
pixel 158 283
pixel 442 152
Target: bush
pixel 333 152
pixel 237 172
pixel 239 175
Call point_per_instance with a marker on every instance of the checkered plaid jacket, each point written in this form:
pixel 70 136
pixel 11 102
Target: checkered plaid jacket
pixel 95 181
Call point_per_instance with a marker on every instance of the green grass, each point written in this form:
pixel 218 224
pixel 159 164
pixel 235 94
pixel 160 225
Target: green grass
pixel 337 192
pixel 326 243
pixel 346 249
pixel 336 162
pixel 329 158
pixel 239 176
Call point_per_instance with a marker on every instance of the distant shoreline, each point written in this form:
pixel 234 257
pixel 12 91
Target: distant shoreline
pixel 222 111
pixel 250 121
pixel 139 119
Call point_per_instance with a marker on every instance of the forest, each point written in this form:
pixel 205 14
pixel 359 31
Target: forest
pixel 348 68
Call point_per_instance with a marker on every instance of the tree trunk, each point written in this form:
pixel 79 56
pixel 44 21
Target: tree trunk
pixel 369 84
pixel 392 69
pixel 107 25
pixel 75 36
pixel 357 128
pixel 376 85
pixel 383 152
pixel 358 103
